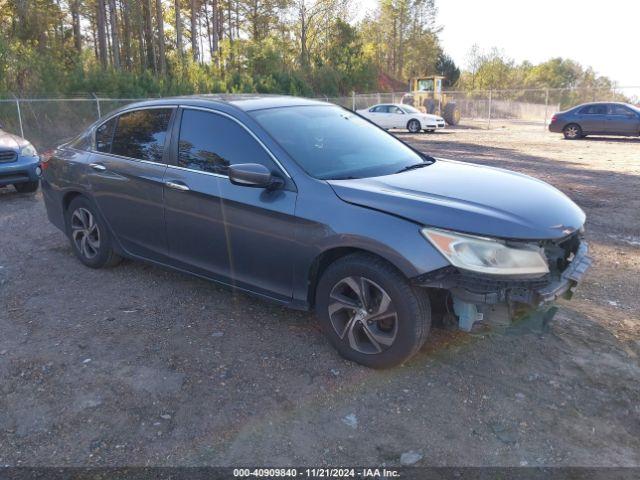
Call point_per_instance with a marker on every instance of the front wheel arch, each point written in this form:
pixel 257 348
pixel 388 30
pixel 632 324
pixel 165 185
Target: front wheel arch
pixel 413 121
pixel 393 337
pixel 326 258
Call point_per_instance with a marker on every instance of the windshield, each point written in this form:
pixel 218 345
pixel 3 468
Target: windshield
pixel 329 142
pixel 410 109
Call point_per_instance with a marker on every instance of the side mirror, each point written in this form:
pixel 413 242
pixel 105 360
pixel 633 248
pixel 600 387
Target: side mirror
pixel 253 175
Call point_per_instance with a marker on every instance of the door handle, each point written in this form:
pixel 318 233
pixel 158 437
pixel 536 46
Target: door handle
pixel 177 186
pixel 98 166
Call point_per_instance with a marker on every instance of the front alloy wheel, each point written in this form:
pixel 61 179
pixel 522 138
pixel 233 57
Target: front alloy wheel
pixel 362 313
pixel 413 126
pixel 370 312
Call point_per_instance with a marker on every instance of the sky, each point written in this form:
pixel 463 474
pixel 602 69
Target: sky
pixel 596 33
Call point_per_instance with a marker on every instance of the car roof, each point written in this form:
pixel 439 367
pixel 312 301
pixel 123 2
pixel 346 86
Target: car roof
pixel 245 102
pixel 388 105
pixel 602 103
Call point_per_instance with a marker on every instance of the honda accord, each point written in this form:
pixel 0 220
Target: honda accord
pixel 312 206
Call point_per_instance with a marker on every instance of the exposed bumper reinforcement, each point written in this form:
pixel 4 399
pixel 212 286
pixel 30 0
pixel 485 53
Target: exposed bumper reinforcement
pixel 478 298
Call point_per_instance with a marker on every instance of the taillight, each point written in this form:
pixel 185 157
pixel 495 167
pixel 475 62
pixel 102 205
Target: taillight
pixel 45 157
pixel 554 119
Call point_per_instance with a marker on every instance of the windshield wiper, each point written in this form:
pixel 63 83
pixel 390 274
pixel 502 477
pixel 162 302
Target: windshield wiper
pixel 414 167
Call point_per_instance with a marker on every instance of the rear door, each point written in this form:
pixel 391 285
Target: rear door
pixel 592 118
pixel 380 115
pixel 239 235
pixel 127 178
pixel 622 120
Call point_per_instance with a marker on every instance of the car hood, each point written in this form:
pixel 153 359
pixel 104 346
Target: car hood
pixel 10 142
pixel 469 198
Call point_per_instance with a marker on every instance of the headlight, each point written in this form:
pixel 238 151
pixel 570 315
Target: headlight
pixel 486 255
pixel 28 150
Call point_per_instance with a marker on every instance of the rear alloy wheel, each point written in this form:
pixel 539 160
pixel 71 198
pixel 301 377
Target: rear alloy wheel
pixel 413 126
pixel 370 313
pixel 27 187
pixel 572 132
pixel 85 233
pixel 89 236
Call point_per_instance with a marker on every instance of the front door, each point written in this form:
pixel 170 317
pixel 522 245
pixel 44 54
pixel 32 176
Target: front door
pixel 239 235
pixel 397 117
pixel 127 176
pixel 622 120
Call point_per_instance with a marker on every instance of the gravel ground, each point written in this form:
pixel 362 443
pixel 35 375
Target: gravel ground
pixel 141 366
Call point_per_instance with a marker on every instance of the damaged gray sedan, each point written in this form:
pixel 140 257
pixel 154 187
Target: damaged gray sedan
pixel 312 206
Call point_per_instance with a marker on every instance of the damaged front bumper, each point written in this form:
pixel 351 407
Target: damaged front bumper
pixel 501 301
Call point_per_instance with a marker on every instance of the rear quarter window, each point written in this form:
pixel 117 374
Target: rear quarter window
pixel 104 136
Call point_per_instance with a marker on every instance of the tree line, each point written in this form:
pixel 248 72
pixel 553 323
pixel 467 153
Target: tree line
pixel 127 48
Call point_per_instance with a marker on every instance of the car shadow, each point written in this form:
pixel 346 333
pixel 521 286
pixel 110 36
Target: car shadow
pixel 590 138
pixel 10 193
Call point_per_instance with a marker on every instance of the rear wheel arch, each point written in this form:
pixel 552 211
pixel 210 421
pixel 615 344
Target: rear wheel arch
pixel 68 198
pixel 572 131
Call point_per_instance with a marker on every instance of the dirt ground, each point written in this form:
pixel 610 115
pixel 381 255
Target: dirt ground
pixel 141 366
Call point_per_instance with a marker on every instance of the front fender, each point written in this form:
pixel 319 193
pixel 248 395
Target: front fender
pixel 327 222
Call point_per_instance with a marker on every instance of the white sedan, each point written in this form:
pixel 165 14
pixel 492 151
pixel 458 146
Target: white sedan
pixel 398 115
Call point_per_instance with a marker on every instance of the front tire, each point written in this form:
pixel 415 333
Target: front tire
pixel 89 236
pixel 414 126
pixel 26 187
pixel 572 131
pixel 370 313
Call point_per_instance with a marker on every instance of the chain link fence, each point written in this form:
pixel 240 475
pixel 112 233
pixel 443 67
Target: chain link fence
pixel 48 121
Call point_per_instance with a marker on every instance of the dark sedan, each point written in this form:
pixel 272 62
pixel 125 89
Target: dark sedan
pixel 601 118
pixel 310 205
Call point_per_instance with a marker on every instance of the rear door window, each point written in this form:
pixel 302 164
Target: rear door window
pixel 141 134
pixel 210 143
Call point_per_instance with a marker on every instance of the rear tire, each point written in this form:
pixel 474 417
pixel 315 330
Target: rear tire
pixel 370 312
pixel 89 236
pixel 27 187
pixel 414 126
pixel 572 131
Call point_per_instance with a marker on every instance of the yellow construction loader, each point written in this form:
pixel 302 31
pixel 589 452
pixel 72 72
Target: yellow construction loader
pixel 425 93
